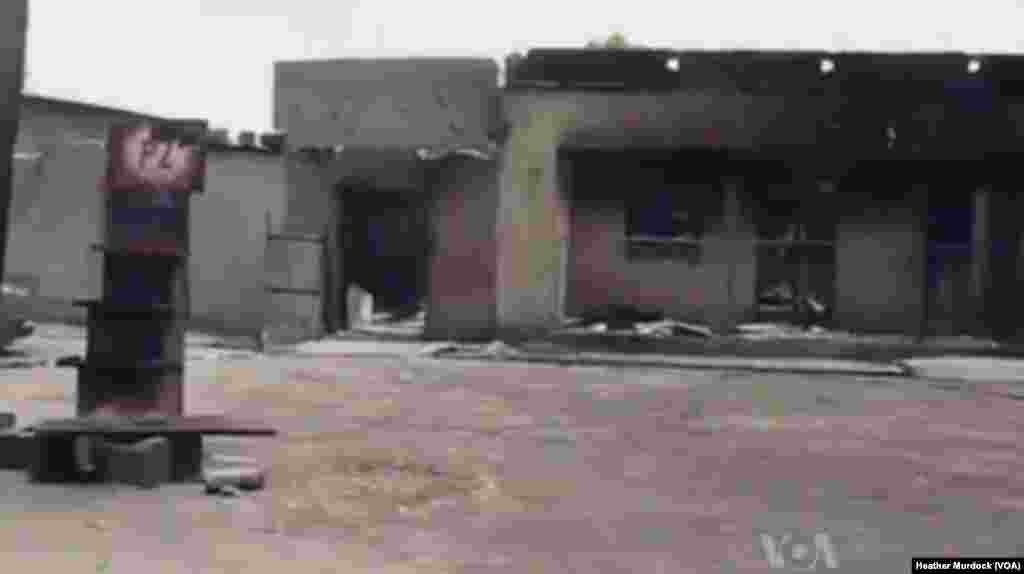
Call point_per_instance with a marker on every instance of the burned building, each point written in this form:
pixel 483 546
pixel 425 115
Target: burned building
pixel 718 187
pixel 725 187
pixel 377 148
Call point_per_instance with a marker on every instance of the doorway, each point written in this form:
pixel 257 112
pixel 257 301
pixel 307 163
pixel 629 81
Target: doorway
pixel 951 225
pixel 796 227
pixel 384 247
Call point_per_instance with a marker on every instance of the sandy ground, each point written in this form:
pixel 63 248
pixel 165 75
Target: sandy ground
pixel 416 465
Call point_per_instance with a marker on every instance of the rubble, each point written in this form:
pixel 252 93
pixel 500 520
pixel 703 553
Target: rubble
pixel 498 349
pixel 761 331
pixel 438 349
pixel 620 316
pixel 493 350
pixel 13 329
pixel 222 480
pixel 671 328
pixel 360 306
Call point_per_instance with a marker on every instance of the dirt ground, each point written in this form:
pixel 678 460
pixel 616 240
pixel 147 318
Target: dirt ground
pixel 415 465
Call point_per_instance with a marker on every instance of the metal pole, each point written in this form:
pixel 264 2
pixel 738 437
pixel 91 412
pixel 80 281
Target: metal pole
pixel 13 27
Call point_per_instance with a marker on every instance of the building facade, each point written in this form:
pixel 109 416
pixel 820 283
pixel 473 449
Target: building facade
pixel 715 187
pixel 56 215
pixel 703 185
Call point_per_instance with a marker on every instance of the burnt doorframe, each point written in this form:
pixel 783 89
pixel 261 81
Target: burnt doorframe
pixel 951 234
pixel 809 240
pixel 355 199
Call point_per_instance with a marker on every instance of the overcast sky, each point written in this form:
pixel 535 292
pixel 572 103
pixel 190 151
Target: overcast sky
pixel 212 58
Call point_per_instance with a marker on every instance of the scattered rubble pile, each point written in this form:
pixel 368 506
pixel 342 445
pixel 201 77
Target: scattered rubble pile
pixel 625 320
pixel 630 320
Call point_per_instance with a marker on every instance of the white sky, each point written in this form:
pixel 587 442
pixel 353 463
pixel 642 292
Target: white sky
pixel 212 58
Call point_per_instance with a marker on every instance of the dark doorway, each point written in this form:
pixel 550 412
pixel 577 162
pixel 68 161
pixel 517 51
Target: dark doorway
pixel 384 242
pixel 950 245
pixel 1004 316
pixel 796 252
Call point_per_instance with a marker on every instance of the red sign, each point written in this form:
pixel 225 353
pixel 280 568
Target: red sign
pixel 156 157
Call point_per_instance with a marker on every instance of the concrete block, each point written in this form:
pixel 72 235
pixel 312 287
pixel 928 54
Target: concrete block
pixel 7 420
pixel 360 306
pixel 51 458
pixel 244 478
pixel 146 463
pixel 15 450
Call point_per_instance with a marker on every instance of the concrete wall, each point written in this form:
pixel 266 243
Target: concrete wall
pixel 57 212
pixel 228 237
pixel 462 292
pixel 879 265
pixel 717 289
pixel 386 103
pixel 293 264
pixel 670 120
pixel 533 230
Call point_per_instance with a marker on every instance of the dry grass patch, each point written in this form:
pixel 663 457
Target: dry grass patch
pixel 341 481
pixel 490 414
pixel 304 389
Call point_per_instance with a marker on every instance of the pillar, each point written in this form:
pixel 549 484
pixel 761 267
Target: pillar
pixel 13 27
pixel 738 254
pixel 533 224
pixel 981 249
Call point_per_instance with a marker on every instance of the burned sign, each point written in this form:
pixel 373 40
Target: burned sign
pixel 156 157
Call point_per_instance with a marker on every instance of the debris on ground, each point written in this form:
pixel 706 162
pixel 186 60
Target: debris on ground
pixel 360 306
pixel 499 349
pixel 672 328
pixel 225 490
pixel 72 361
pixel 217 480
pixel 13 329
pixel 786 331
pixel 438 349
pixel 620 316
pixel 783 297
pixel 493 350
